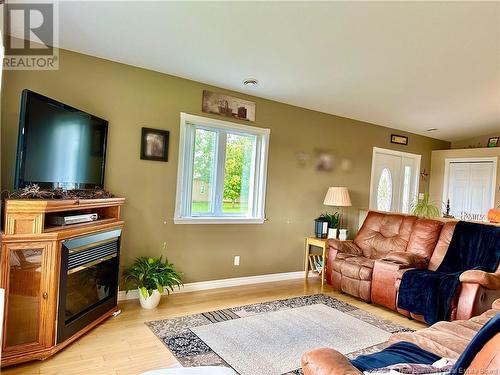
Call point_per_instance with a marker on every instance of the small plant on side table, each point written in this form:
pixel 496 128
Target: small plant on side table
pixel 152 276
pixel 333 223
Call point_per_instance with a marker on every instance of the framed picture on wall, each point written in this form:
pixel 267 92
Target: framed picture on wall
pixel 154 144
pixel 399 139
pixel 493 142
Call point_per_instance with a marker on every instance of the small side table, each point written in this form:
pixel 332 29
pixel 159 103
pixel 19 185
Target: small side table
pixel 321 243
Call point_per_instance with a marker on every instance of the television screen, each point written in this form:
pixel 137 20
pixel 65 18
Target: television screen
pixel 59 146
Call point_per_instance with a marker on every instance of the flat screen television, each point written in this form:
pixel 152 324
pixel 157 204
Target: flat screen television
pixel 59 146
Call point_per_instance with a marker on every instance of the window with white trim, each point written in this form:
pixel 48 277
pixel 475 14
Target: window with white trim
pixel 222 172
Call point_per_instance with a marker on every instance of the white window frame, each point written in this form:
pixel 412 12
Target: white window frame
pixel 257 200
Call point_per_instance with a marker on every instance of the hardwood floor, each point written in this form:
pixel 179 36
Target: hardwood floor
pixel 124 345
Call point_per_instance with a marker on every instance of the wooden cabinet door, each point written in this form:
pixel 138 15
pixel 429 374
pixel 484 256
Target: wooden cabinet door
pixel 30 282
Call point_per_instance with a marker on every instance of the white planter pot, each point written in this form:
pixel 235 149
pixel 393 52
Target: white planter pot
pixel 151 301
pixel 332 232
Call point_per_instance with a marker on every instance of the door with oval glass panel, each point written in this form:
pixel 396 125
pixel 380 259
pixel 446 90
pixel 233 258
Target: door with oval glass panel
pixel 394 180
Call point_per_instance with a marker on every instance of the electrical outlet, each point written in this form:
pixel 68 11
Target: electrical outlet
pixel 236 260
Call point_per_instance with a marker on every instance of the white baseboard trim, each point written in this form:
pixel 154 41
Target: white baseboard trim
pixel 223 283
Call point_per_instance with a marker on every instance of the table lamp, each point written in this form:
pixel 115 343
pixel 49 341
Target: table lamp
pixel 338 196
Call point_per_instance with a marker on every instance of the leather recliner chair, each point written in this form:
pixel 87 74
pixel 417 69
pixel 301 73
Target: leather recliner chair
pixel 476 293
pixel 402 241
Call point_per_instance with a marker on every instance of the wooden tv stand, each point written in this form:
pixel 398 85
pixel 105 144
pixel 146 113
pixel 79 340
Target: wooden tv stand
pixel 32 288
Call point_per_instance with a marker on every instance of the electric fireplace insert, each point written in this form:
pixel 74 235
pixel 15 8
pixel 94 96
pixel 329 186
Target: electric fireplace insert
pixel 89 280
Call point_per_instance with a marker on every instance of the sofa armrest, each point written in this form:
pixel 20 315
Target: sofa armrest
pixel 474 299
pixel 496 304
pixel 348 246
pixel 405 258
pixel 325 361
pixel 485 279
pixel 385 282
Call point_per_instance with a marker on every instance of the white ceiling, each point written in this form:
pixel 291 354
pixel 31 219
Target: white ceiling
pixel 407 65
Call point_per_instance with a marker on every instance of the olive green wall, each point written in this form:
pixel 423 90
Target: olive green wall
pixel 130 98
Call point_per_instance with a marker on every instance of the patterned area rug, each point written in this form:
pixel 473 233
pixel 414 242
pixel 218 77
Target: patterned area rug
pixel 190 350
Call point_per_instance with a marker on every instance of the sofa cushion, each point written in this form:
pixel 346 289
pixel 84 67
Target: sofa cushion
pixel 404 258
pixel 359 268
pixel 344 256
pixel 382 233
pixel 446 339
pixel 424 236
pixel 340 258
pixel 341 246
pixel 442 245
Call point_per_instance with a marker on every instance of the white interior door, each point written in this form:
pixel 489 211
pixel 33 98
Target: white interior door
pixel 470 188
pixel 394 180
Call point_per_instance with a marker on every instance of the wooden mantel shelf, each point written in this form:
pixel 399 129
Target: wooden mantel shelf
pixel 58 205
pixel 28 216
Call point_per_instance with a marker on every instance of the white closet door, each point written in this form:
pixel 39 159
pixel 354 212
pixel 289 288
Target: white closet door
pixel 458 189
pixel 481 175
pixel 470 188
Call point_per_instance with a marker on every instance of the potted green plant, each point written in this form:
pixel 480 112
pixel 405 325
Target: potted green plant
pixel 152 277
pixel 333 224
pixel 424 208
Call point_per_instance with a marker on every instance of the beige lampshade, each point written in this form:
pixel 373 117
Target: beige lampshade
pixel 337 196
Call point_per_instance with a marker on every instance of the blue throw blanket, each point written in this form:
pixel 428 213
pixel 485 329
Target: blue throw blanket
pixel 400 352
pixel 429 293
pixel 406 352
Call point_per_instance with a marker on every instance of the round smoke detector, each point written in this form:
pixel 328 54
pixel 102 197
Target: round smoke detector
pixel 250 82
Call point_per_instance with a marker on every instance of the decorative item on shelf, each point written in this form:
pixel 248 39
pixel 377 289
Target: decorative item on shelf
pixel 424 208
pixel 447 214
pixel 343 234
pixel 399 139
pixel 229 106
pixel 493 141
pixel 338 196
pixel 35 192
pixel 321 227
pixel 470 216
pixel 424 175
pixel 151 276
pixel 154 144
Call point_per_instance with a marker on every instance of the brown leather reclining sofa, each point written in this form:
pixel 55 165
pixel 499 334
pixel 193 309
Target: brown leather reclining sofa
pixel 370 267
pixel 445 339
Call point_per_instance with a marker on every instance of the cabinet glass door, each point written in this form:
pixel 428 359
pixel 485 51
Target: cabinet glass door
pixel 26 295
